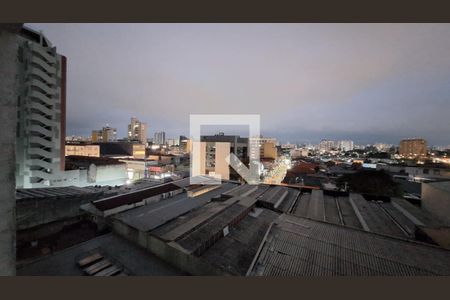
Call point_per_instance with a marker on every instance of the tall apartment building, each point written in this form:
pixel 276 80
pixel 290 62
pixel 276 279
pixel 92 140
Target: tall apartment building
pixel 137 131
pixel 185 144
pixel 41 111
pixel 106 134
pixel 345 145
pixel 159 138
pixel 215 148
pixel 212 159
pixel 266 145
pixel 326 145
pixel 415 147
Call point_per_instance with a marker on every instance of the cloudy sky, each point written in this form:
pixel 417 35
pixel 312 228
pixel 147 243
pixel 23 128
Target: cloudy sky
pixel 366 82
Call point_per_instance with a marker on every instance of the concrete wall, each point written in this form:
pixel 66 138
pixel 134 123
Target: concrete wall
pixel 436 201
pixel 35 212
pixel 8 115
pixel 82 150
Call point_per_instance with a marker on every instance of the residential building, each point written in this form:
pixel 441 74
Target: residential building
pixel 81 149
pixel 299 152
pixel 137 131
pixel 411 148
pixel 173 142
pixel 159 138
pixel 266 145
pixel 214 150
pixel 326 145
pixel 345 145
pixel 106 134
pixel 41 115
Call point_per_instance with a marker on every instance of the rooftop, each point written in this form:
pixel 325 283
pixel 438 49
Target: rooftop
pixel 56 192
pixel 135 260
pixel 296 246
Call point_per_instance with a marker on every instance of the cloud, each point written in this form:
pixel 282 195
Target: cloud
pixel 370 81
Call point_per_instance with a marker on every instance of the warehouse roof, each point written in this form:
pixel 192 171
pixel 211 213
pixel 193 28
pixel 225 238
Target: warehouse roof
pixel 150 216
pixel 135 260
pixel 296 246
pixel 56 192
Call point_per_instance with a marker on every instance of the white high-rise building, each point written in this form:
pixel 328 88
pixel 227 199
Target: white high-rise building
pixel 41 111
pixel 345 145
pixel 159 138
pixel 137 131
pixel 326 145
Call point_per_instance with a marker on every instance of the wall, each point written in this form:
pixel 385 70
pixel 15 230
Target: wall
pixel 8 113
pixel 83 150
pixel 110 174
pixel 437 200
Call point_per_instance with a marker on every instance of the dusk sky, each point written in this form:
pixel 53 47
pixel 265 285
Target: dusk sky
pixel 366 82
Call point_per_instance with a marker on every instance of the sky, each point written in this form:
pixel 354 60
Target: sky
pixel 365 82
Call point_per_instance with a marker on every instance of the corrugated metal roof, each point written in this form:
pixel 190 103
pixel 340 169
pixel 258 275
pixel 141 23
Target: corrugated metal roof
pixel 296 246
pixel 54 192
pixel 133 197
pixel 149 217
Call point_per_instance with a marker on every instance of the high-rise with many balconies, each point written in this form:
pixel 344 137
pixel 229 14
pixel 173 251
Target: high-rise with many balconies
pixel 41 110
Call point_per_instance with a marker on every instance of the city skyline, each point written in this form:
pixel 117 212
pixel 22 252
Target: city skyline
pixel 337 81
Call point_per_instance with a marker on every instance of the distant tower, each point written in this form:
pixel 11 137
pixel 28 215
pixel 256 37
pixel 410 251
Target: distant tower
pixel 137 131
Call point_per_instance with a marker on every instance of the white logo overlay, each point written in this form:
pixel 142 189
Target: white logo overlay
pixel 250 174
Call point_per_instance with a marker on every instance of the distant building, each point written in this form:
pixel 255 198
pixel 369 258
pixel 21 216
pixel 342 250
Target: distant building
pixel 84 171
pixel 83 150
pixel 212 159
pixel 41 115
pixel 299 152
pixel 326 145
pixel 185 144
pixel 215 149
pixel 173 142
pixel 382 147
pixel 137 131
pixel 106 134
pixel 345 145
pixel 122 149
pixel 413 148
pixel 266 145
pixel 159 138
pixel 288 146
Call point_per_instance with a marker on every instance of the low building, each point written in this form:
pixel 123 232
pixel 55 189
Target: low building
pixel 299 152
pixel 80 149
pixel 436 199
pixel 84 171
pixel 418 172
pixel 122 149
